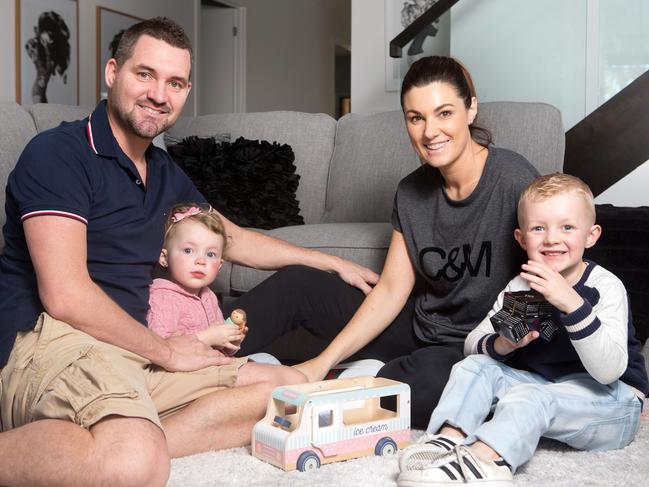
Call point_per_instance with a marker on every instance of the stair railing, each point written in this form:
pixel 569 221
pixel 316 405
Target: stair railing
pixel 424 21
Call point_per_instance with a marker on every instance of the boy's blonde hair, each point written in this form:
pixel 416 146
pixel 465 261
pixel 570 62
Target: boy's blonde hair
pixel 550 185
pixel 196 212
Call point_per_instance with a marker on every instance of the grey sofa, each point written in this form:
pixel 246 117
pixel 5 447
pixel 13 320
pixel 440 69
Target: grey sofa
pixel 348 168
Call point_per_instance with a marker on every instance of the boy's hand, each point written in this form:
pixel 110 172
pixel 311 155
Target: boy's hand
pixel 552 285
pixel 505 346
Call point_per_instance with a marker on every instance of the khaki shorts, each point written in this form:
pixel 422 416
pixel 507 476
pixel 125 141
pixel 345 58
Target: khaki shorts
pixel 58 372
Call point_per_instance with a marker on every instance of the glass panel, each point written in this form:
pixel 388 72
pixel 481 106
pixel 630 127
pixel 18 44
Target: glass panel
pixel 525 51
pixel 623 44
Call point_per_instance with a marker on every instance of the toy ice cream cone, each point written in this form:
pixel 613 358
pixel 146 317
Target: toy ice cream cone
pixel 237 317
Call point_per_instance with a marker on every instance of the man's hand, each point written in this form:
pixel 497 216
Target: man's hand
pixel 504 346
pixel 356 275
pixel 552 285
pixel 244 245
pixel 188 353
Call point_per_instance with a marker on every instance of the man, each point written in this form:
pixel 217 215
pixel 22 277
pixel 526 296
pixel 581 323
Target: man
pixel 89 395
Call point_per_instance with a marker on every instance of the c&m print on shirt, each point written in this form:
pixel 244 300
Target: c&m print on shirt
pixel 451 264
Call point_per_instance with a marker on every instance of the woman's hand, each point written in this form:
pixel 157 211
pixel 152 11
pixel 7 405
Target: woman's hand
pixel 376 313
pixel 314 370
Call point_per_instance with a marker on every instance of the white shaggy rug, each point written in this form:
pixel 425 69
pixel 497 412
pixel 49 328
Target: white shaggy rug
pixel 552 465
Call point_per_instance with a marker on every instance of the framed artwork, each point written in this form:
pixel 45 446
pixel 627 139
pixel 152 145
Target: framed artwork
pixel 110 26
pixel 47 51
pixel 435 39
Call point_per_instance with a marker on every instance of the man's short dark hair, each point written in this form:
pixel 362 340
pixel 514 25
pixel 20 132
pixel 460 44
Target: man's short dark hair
pixel 161 28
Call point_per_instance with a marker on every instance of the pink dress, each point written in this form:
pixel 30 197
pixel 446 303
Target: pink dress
pixel 173 310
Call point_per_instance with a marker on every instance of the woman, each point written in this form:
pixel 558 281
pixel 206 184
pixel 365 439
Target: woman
pixel 452 247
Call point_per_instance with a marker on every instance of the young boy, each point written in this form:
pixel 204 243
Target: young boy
pixel 584 385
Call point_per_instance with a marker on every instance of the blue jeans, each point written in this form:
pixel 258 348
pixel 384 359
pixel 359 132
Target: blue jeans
pixel 575 409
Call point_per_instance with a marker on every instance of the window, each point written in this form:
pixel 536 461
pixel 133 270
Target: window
pixel 325 418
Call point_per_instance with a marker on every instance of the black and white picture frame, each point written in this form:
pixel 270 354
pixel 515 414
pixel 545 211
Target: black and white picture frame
pixel 435 40
pixel 110 26
pixel 47 51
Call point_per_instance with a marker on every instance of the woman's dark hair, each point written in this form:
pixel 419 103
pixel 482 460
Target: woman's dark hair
pixel 433 69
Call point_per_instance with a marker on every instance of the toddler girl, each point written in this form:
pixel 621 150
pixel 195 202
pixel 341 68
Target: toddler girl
pixel 183 302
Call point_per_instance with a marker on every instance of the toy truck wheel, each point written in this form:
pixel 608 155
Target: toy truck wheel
pixel 385 446
pixel 307 461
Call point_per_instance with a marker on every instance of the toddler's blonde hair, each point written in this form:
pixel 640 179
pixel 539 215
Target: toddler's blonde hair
pixel 545 187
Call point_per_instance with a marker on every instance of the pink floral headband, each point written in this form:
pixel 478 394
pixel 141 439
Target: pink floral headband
pixel 181 215
pixel 185 214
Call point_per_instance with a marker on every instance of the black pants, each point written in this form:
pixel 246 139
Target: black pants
pixel 322 303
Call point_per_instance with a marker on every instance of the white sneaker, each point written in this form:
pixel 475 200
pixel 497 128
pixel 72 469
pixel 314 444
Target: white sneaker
pixel 264 358
pixel 458 467
pixel 426 450
pixel 357 368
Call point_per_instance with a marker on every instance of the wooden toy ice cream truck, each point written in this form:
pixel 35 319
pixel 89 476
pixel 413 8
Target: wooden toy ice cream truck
pixel 308 425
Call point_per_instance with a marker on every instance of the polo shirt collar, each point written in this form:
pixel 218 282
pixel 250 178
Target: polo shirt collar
pixel 102 141
pixel 99 134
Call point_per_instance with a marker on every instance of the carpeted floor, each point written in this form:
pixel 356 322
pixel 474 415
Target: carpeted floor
pixel 552 465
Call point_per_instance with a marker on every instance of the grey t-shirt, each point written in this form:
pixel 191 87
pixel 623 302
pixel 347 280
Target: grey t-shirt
pixel 464 252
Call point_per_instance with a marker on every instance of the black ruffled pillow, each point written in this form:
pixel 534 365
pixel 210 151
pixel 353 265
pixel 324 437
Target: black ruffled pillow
pixel 623 249
pixel 251 182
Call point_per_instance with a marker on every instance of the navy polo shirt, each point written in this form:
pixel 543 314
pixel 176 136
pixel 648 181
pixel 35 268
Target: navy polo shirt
pixel 78 170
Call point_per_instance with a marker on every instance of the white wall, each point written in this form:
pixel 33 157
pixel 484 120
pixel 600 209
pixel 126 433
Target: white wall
pixel 545 51
pixel 181 11
pixel 290 48
pixel 630 190
pixel 525 51
pixel 7 50
pixel 368 59
pixel 290 53
pixel 515 50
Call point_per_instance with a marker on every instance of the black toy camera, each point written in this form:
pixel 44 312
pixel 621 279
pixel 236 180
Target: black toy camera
pixel 522 312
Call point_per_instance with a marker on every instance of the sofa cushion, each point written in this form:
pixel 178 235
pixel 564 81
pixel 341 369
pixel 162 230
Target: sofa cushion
pixel 50 115
pixel 169 140
pixel 623 249
pixel 365 243
pixel 310 135
pixel 250 182
pixel 534 130
pixel 373 153
pixel 18 128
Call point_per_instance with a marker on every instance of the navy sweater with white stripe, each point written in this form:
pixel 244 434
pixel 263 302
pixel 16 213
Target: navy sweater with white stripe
pixel 598 338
